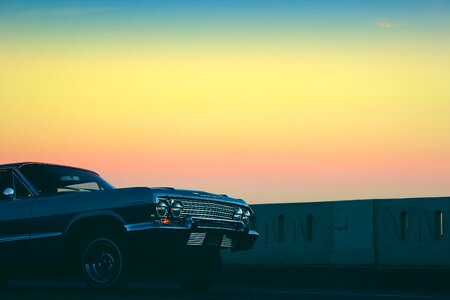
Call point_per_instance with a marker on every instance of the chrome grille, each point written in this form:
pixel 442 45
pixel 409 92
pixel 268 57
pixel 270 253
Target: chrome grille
pixel 207 209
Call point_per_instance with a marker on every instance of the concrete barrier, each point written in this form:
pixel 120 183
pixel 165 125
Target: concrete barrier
pixel 381 233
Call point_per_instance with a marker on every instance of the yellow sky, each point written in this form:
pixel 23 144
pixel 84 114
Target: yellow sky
pixel 292 124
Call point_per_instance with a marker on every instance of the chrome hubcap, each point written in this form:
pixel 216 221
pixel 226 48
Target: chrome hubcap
pixel 101 262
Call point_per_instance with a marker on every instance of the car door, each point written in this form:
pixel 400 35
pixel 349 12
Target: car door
pixel 15 207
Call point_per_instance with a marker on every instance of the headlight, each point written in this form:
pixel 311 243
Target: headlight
pixel 162 207
pixel 246 216
pixel 177 209
pixel 238 214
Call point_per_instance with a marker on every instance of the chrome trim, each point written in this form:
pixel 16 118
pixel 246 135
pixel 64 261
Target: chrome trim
pixel 239 226
pixel 14 238
pixel 44 235
pixel 253 232
pixel 150 225
pixel 196 239
pixel 203 208
pixel 218 220
pixel 25 182
pixel 18 178
pixel 9 192
pixel 22 237
pixel 218 228
pixel 189 225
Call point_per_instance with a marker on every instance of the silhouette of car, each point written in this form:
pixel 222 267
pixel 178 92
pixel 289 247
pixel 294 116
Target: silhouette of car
pixel 64 219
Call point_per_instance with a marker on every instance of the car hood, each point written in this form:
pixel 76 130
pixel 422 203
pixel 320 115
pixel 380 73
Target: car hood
pixel 172 192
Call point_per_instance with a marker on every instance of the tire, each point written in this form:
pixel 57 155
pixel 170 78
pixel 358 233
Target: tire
pixel 104 264
pixel 200 270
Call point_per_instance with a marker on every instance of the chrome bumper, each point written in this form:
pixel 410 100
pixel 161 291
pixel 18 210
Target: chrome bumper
pixel 189 223
pixel 194 234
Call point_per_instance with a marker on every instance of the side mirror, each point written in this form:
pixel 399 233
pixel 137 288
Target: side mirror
pixel 9 192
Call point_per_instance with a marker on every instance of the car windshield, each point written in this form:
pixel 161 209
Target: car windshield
pixel 48 179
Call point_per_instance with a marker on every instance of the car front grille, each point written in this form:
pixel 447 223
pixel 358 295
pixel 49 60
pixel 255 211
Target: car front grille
pixel 207 209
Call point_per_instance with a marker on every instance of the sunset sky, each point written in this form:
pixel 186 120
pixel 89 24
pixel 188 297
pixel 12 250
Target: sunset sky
pixel 270 101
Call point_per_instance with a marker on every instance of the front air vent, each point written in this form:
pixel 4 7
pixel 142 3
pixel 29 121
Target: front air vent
pixel 227 242
pixel 196 239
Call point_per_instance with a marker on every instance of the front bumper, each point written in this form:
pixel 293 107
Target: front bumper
pixel 192 232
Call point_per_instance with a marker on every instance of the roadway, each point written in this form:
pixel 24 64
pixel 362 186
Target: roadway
pixel 71 289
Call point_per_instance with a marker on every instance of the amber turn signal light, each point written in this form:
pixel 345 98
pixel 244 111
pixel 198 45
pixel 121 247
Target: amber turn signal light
pixel 165 221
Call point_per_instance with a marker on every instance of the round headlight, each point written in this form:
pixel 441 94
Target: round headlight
pixel 246 217
pixel 177 209
pixel 238 214
pixel 162 207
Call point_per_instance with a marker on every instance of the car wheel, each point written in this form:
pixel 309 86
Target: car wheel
pixel 104 264
pixel 200 270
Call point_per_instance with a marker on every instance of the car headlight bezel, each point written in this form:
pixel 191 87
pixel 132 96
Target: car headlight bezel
pixel 162 208
pixel 177 209
pixel 238 211
pixel 246 216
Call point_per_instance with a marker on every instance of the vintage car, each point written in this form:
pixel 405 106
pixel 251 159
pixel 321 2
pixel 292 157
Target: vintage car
pixel 66 219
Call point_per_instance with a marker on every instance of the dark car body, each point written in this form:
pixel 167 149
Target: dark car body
pixel 38 230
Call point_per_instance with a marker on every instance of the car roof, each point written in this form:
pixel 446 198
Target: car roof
pixel 20 164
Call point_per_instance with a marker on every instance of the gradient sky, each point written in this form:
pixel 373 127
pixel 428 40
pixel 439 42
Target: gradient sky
pixel 270 101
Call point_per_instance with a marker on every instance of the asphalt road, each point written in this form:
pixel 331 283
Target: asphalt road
pixel 76 289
